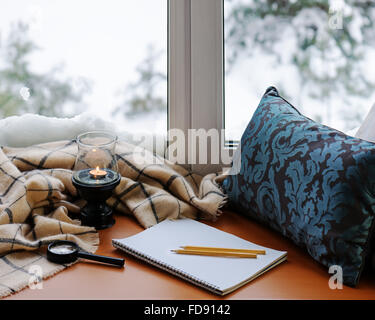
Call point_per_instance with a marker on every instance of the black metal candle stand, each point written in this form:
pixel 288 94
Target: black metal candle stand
pixel 96 212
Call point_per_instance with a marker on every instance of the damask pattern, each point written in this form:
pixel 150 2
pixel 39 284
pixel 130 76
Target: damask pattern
pixel 310 182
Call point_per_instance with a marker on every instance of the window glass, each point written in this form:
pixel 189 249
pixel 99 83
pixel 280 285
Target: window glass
pixel 319 54
pixel 62 58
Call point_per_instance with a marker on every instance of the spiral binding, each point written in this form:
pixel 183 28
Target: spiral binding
pixel 169 268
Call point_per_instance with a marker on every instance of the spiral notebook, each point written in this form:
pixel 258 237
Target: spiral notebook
pixel 220 275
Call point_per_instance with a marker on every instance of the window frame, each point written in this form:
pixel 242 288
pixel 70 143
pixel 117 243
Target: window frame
pixel 196 70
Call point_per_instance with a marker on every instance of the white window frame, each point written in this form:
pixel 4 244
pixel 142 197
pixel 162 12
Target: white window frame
pixel 195 69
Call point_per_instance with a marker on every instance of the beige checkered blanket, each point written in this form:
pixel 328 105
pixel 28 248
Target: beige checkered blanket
pixel 39 204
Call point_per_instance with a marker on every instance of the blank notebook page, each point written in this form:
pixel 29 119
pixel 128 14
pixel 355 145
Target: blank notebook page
pixel 222 273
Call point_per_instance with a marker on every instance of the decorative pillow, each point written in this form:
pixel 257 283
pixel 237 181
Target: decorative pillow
pixel 310 182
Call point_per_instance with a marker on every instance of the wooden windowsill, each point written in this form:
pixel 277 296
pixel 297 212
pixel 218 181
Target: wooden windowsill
pixel 298 278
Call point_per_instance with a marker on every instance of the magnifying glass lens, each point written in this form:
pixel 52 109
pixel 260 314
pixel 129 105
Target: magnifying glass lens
pixel 62 249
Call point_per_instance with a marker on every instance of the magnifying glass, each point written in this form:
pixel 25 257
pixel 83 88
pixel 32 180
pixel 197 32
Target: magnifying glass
pixel 62 251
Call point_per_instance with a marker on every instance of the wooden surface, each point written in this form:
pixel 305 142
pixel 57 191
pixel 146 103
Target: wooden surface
pixel 298 278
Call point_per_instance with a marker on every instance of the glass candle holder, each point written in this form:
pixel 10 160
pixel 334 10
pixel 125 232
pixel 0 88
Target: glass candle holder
pixel 95 176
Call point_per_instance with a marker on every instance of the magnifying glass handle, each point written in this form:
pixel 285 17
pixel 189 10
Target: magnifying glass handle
pixel 115 261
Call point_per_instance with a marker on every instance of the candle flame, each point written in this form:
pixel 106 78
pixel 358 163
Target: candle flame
pixel 97 173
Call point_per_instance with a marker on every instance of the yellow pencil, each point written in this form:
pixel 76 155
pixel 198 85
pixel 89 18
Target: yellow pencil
pixel 224 249
pixel 216 253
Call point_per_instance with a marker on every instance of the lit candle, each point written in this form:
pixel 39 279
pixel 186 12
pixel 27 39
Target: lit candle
pixel 97 173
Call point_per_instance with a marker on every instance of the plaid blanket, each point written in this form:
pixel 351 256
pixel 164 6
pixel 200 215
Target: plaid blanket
pixel 39 204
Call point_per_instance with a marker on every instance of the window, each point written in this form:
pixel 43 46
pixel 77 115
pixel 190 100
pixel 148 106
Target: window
pixel 320 55
pixel 109 58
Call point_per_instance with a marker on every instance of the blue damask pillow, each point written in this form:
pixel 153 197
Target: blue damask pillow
pixel 310 182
